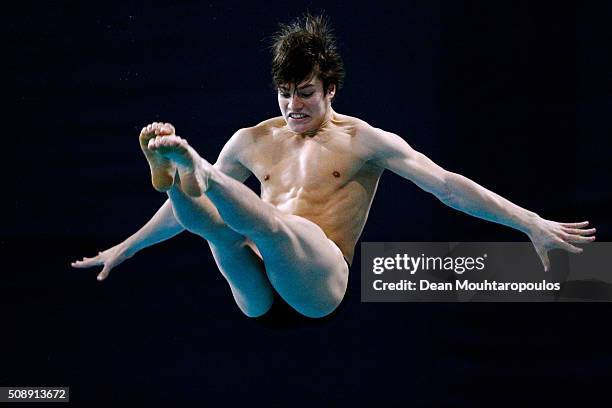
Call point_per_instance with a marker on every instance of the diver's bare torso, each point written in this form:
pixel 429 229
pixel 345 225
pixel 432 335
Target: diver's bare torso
pixel 325 178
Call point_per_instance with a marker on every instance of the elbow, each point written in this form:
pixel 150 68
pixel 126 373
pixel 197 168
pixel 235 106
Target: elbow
pixel 445 191
pixel 453 190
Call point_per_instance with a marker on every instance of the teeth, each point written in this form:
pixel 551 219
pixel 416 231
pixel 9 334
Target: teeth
pixel 297 115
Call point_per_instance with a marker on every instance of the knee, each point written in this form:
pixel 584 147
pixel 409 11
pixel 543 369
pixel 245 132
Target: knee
pixel 317 313
pixel 272 227
pixel 255 310
pixel 328 302
pixel 320 310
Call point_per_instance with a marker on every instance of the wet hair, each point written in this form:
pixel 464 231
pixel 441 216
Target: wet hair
pixel 306 46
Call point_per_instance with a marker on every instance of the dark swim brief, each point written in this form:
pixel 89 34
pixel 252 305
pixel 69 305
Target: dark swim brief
pixel 282 315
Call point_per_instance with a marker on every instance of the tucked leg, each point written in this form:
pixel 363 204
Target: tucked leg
pixel 240 265
pixel 303 265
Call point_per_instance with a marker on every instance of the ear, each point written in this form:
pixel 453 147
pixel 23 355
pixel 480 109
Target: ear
pixel 331 90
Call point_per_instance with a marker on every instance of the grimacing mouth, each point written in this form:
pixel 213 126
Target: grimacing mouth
pixel 297 115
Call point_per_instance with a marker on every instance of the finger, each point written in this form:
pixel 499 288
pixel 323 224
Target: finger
pixel 104 273
pixel 578 239
pixel 570 248
pixel 574 224
pixel 579 231
pixel 87 262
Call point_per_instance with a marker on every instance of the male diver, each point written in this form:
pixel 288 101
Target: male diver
pixel 318 171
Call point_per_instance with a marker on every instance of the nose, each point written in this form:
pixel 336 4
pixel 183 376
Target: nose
pixel 295 103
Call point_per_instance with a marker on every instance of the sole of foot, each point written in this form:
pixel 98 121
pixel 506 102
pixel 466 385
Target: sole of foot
pixel 178 152
pixel 162 169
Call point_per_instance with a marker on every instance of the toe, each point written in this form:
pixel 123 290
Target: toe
pixel 167 130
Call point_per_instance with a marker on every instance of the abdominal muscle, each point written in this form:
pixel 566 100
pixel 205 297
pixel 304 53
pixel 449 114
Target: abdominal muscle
pixel 341 214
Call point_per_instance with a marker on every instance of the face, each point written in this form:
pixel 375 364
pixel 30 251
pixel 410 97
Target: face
pixel 305 107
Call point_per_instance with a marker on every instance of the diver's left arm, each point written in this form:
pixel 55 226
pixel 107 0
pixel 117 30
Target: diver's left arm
pixel 392 152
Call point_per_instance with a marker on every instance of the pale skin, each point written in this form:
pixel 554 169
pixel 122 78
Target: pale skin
pixel 319 171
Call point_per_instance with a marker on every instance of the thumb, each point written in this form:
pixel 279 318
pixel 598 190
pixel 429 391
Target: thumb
pixel 543 254
pixel 104 273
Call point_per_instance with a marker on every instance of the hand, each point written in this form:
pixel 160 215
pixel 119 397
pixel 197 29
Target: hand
pixel 546 235
pixel 109 258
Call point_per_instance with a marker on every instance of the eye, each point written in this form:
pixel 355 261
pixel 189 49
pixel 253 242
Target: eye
pixel 307 94
pixel 284 94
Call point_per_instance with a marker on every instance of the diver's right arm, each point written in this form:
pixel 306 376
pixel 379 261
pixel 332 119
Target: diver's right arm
pixel 162 226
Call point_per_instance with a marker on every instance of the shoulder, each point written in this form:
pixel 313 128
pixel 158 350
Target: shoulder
pixel 246 136
pixel 377 145
pixel 270 124
pixel 351 123
pixel 361 129
pixel 253 134
pixel 371 138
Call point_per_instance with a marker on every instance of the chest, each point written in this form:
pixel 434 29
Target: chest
pixel 306 163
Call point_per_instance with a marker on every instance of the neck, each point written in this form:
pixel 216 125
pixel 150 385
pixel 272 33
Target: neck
pixel 326 120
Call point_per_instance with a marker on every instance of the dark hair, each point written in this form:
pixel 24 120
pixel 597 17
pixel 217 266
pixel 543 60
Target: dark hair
pixel 303 47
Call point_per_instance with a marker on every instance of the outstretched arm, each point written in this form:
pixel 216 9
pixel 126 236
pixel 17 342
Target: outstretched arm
pixel 162 226
pixel 392 152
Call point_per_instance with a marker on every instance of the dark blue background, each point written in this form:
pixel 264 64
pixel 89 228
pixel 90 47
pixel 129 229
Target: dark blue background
pixel 513 95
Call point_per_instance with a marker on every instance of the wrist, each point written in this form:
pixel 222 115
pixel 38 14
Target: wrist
pixel 127 248
pixel 529 224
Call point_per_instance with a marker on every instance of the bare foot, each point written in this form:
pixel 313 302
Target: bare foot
pixel 189 163
pixel 162 169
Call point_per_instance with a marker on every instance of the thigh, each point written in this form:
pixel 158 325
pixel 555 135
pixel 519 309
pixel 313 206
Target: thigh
pixel 305 267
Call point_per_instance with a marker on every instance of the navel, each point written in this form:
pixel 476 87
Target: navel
pixel 336 174
pixel 266 177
